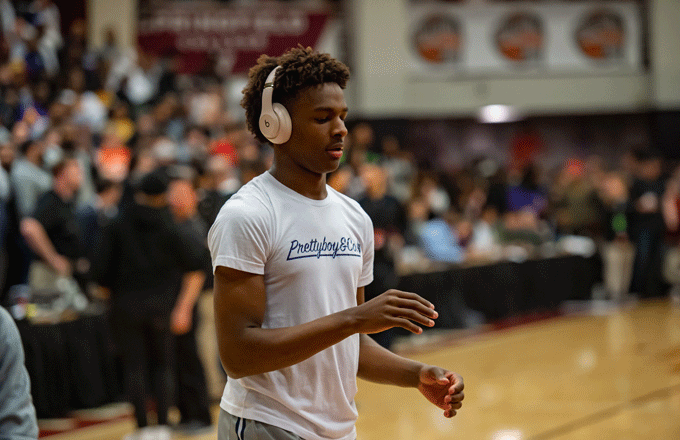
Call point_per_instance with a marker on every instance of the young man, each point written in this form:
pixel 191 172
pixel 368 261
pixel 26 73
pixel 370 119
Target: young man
pixel 291 259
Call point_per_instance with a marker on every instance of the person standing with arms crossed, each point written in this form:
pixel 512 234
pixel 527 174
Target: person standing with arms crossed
pixel 291 258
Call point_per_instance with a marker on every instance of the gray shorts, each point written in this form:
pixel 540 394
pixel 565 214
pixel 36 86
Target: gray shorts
pixel 236 428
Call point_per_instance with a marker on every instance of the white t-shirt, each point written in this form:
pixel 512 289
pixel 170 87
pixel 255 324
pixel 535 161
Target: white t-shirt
pixel 314 254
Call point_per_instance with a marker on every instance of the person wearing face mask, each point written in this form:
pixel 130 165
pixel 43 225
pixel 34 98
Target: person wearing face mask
pixel 140 253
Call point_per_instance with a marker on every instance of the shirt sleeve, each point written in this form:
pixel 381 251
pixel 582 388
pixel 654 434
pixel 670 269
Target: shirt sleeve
pixel 17 413
pixel 240 238
pixel 367 254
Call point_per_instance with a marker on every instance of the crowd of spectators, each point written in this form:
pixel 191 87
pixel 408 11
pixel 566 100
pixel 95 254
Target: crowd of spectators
pixel 623 213
pixel 81 128
pixel 122 113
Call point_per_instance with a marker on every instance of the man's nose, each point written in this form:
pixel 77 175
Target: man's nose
pixel 340 129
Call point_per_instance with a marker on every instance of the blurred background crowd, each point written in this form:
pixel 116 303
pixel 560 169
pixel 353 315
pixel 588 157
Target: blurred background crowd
pixel 117 115
pixel 82 128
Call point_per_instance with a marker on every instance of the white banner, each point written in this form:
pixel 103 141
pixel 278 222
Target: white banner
pixel 520 38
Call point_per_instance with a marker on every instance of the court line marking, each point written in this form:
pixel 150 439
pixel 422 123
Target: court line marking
pixel 607 413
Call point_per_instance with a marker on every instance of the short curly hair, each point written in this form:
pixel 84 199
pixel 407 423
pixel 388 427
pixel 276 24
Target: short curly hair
pixel 300 68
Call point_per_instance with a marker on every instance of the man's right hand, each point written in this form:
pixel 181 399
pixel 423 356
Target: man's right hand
pixel 394 308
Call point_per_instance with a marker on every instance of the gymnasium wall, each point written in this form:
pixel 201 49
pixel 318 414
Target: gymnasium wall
pixel 386 86
pixel 665 53
pixel 121 15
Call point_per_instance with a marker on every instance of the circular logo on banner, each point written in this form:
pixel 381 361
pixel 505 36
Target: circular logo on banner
pixel 520 37
pixel 601 35
pixel 438 39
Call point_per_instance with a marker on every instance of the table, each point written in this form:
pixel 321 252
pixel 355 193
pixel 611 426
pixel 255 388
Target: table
pixel 506 289
pixel 72 365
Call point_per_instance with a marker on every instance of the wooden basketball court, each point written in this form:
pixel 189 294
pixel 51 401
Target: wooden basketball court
pixel 612 373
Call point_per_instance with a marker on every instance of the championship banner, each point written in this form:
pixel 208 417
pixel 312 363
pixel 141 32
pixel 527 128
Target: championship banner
pixel 518 37
pixel 197 33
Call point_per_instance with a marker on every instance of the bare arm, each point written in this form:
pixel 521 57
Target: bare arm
pixel 441 387
pixel 669 209
pixel 247 349
pixel 40 243
pixel 377 364
pixel 182 313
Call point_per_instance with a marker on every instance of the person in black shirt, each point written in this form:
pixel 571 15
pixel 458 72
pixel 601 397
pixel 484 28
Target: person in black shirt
pixel 389 223
pixel 192 390
pixel 140 254
pixel 53 231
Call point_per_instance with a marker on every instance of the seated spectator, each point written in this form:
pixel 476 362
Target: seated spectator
pixel 417 214
pixel 444 239
pixel 427 187
pixel 524 228
pixel 485 245
pixel 400 167
pixel 527 194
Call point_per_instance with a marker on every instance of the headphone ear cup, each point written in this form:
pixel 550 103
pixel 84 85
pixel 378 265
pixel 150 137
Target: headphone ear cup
pixel 269 125
pixel 285 125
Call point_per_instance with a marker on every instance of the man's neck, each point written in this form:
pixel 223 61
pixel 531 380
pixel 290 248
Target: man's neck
pixel 304 182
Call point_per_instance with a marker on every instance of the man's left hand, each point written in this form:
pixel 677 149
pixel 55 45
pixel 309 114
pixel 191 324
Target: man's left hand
pixel 443 388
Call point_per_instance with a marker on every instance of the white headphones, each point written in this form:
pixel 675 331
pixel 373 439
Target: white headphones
pixel 275 123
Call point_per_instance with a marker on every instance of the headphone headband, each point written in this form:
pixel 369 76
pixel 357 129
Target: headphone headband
pixel 268 91
pixel 275 123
